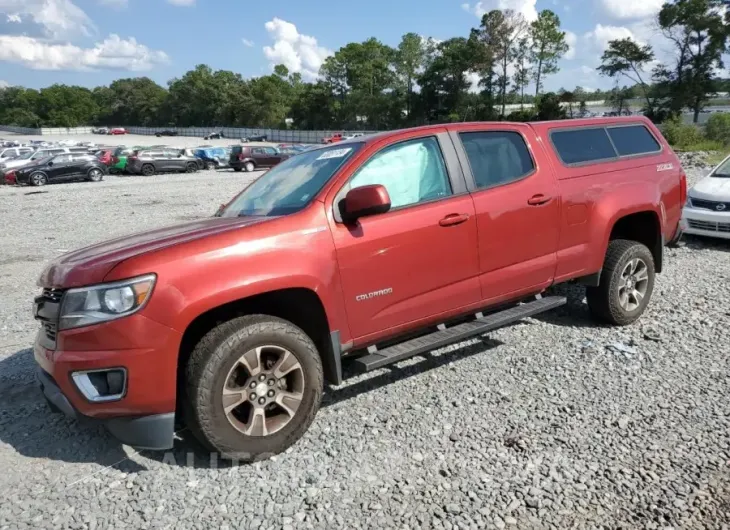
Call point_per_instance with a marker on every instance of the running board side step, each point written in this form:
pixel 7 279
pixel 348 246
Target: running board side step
pixel 444 337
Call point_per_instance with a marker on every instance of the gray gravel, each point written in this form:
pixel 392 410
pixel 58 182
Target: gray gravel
pixel 552 423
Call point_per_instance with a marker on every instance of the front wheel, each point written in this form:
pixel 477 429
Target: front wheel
pixel 191 168
pixel 254 385
pixel 626 285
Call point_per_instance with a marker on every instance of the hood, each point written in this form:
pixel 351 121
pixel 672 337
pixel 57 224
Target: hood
pixel 12 164
pixel 90 265
pixel 712 189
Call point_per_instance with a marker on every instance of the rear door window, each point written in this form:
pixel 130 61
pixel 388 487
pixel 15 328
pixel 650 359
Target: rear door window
pixel 497 157
pixel 580 146
pixel 633 140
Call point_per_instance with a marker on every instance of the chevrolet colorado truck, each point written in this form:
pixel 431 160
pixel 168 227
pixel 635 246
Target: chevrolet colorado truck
pixel 367 252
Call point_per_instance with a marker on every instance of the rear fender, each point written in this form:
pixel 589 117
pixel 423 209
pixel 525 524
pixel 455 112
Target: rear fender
pixel 627 199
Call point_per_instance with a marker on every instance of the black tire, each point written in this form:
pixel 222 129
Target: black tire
pixel 207 371
pixel 603 301
pixel 148 170
pixel 237 169
pixel 249 166
pixel 96 175
pixel 191 167
pixel 38 179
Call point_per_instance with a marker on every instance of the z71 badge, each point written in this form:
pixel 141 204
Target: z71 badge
pixel 664 167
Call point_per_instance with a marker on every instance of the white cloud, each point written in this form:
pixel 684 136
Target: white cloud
pixel 14 18
pixel 526 7
pixel 58 19
pixel 114 53
pixel 247 43
pixel 181 3
pixel 299 53
pixel 571 39
pixel 631 9
pixel 4 84
pixel 599 38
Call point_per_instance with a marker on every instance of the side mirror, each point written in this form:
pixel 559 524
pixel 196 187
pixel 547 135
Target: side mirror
pixel 363 201
pixel 50 163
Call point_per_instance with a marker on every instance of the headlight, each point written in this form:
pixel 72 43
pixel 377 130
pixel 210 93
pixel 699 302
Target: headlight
pixel 108 301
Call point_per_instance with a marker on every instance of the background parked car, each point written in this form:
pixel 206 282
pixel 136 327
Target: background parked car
pixel 707 211
pixel 213 157
pixel 214 136
pixel 166 132
pixel 105 156
pixel 337 137
pixel 9 153
pixel 150 161
pixel 60 168
pixel 100 130
pixel 119 158
pixel 190 153
pixel 253 158
pixel 261 138
pixel 118 130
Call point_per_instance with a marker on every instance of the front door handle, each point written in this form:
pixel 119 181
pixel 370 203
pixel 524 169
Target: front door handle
pixel 454 219
pixel 539 199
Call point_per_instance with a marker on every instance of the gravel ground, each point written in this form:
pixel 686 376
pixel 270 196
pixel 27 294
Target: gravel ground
pixel 552 423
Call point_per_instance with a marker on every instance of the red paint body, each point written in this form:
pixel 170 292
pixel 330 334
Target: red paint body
pixel 442 258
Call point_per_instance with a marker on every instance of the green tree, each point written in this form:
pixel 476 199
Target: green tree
pixel 628 58
pixel 506 47
pixel 569 98
pixel 409 59
pixel 66 106
pixel 699 34
pixel 523 73
pixel 549 108
pixel 548 46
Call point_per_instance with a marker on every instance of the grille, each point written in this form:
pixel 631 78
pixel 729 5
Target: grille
pixel 709 226
pixel 709 205
pixel 54 295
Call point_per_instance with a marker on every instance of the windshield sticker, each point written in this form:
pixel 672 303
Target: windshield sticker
pixel 335 153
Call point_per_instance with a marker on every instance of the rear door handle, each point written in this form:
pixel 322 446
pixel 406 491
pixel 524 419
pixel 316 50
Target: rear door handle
pixel 538 200
pixel 454 219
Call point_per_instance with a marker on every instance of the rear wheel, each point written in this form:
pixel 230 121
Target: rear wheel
pixel 38 179
pixel 210 166
pixel 237 169
pixel 148 170
pixel 250 166
pixel 96 175
pixel 254 385
pixel 626 286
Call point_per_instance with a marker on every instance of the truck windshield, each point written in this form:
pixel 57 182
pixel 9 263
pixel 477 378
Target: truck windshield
pixel 291 185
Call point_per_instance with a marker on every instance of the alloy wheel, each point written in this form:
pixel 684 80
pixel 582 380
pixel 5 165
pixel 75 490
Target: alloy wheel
pixel 263 390
pixel 633 284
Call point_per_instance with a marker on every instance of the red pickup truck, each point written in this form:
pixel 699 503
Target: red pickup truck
pixel 337 137
pixel 369 252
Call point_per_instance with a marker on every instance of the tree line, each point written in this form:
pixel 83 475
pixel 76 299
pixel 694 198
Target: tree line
pixel 370 85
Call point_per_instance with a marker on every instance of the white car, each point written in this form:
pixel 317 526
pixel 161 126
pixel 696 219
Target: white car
pixel 707 211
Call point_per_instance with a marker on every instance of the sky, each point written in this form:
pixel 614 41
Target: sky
pixel 93 42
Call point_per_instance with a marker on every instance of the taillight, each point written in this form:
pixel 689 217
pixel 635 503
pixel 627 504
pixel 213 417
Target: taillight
pixel 240 156
pixel 682 188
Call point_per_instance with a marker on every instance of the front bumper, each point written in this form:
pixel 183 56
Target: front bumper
pixel 144 432
pixel 701 222
pixel 144 349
